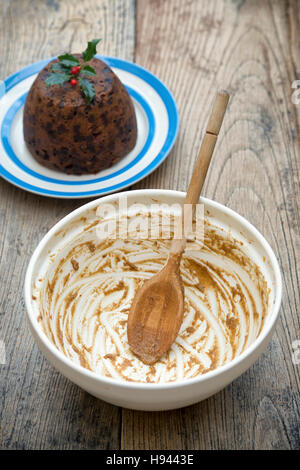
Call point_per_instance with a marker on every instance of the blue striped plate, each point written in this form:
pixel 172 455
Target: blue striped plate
pixel 157 120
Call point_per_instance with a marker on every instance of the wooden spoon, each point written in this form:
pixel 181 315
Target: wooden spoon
pixel 157 309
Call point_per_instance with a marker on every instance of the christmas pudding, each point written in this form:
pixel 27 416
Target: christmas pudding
pixel 78 116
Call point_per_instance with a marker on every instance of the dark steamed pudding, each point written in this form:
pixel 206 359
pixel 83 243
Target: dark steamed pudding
pixel 63 132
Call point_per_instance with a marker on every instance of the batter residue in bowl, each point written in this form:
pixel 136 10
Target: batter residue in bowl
pixel 85 296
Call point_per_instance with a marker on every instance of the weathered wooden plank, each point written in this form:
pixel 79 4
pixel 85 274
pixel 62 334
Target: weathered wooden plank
pixel 39 408
pixel 252 49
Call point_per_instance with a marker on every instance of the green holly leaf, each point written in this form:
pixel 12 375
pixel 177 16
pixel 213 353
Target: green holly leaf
pixel 88 70
pixel 57 78
pixel 59 67
pixel 87 89
pixel 68 60
pixel 90 51
pixel 61 71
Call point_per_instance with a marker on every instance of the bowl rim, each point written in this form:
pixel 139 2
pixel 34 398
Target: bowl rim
pixel 80 370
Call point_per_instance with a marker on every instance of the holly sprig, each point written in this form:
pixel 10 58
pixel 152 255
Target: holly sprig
pixel 68 69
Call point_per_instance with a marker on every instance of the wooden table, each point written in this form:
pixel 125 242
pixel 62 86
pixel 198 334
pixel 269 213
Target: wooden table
pixel 252 48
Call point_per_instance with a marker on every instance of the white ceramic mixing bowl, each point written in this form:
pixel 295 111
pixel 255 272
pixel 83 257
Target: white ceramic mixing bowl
pixel 150 396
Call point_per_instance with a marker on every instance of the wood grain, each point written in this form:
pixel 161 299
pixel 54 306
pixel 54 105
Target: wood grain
pixel 39 408
pixel 251 48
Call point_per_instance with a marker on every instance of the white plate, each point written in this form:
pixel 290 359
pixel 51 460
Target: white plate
pixel 157 122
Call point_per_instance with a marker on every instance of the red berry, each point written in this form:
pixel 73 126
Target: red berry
pixel 73 81
pixel 78 68
pixel 74 70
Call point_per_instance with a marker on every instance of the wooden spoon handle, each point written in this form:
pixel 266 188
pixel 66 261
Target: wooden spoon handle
pixel 207 148
pixel 203 160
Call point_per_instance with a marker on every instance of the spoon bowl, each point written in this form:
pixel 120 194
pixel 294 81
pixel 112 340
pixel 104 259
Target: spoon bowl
pixel 156 313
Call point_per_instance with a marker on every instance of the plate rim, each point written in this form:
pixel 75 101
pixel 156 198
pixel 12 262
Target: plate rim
pixel 135 69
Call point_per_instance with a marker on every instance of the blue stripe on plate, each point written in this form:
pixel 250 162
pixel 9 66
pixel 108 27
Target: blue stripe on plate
pixel 137 70
pixel 2 88
pixel 5 136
